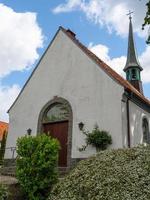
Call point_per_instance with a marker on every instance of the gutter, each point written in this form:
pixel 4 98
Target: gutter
pixel 126 98
pixel 128 122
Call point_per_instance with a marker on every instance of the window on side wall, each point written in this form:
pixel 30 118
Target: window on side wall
pixel 145 127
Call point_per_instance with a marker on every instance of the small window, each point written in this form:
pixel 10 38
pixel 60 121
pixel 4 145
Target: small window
pixel 57 112
pixel 133 74
pixel 128 75
pixel 145 127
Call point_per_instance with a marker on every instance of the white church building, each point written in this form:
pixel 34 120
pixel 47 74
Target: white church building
pixel 71 86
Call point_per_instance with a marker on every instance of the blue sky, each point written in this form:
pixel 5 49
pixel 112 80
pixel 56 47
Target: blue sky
pixel 27 27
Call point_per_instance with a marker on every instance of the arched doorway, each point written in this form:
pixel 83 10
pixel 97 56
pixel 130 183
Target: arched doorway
pixel 145 127
pixel 56 120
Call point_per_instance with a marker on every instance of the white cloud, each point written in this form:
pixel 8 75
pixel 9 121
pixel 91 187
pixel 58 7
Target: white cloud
pixel 112 14
pixel 145 63
pixel 20 37
pixel 69 6
pixel 118 64
pixel 102 52
pixel 7 97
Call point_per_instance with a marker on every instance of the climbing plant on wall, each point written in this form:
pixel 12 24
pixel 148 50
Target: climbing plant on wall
pixel 100 139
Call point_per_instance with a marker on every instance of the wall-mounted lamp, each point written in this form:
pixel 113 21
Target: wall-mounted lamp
pixel 81 125
pixel 29 131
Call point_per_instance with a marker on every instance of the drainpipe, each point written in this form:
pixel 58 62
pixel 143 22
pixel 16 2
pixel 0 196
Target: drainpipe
pixel 128 122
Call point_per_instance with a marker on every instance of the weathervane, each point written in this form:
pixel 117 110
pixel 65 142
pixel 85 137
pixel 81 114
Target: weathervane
pixel 130 12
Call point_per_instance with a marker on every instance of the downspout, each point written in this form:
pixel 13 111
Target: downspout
pixel 128 122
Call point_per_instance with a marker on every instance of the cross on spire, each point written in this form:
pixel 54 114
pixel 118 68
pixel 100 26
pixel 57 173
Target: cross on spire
pixel 132 60
pixel 130 16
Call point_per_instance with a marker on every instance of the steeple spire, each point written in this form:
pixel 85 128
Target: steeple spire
pixel 133 67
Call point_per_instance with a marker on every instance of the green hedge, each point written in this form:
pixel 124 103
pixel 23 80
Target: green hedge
pixel 36 165
pixel 122 174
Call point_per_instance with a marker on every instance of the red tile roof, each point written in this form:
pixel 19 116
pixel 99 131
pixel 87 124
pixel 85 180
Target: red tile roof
pixel 105 67
pixel 3 127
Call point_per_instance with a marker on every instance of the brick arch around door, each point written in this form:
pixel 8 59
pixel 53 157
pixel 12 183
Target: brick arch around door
pixel 60 129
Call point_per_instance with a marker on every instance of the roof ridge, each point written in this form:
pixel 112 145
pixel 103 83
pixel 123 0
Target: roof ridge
pixel 3 122
pixel 106 67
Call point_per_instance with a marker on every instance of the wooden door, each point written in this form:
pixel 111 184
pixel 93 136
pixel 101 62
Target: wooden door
pixel 59 130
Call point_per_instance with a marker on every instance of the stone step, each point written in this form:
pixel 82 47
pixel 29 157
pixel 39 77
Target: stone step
pixel 9 167
pixel 7 180
pixel 9 162
pixel 11 171
pixel 63 171
pixel 8 171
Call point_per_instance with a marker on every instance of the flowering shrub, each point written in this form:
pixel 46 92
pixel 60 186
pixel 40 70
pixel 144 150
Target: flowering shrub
pixel 122 174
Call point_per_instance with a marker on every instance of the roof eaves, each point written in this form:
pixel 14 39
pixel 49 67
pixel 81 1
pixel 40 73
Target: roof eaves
pixel 114 75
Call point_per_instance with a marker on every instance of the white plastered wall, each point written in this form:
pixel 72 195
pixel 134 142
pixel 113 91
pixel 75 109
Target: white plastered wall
pixel 65 71
pixel 124 124
pixel 136 116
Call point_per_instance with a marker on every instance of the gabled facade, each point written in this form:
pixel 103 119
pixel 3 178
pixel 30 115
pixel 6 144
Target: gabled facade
pixel 71 85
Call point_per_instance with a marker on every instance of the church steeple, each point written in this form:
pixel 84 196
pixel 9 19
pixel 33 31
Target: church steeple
pixel 133 68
